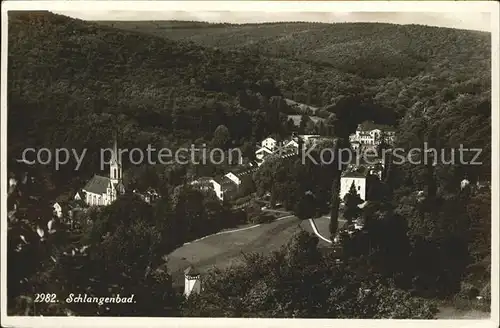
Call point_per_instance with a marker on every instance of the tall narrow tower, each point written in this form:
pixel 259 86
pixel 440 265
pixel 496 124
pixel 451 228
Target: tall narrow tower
pixel 192 282
pixel 115 166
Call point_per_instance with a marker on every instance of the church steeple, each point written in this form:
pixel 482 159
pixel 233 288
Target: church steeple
pixel 115 166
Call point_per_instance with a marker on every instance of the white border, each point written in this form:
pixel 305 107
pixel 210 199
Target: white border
pixel 260 6
pixel 267 6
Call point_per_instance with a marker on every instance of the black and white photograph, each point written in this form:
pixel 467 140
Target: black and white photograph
pixel 255 159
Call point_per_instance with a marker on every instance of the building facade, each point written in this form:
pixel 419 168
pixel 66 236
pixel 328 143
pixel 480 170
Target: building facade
pixel 372 137
pixel 102 191
pixel 269 143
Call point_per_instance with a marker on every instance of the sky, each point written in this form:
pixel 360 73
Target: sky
pixel 461 20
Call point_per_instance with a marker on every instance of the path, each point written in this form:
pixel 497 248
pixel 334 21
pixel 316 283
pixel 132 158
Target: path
pixel 315 229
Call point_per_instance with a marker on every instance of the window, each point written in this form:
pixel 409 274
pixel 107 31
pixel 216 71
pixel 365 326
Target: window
pixel 359 188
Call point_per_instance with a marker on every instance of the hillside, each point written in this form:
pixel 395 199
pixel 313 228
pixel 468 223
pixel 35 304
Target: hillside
pixel 80 81
pixel 318 64
pixel 93 78
pixel 390 50
pixel 74 84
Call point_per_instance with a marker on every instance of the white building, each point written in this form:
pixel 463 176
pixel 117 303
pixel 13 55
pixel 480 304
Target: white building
pixel 267 147
pixel 372 137
pixel 239 174
pixel 233 177
pixel 292 144
pixel 261 153
pixel 148 196
pixel 57 210
pixel 307 138
pixel 192 282
pixel 224 187
pixel 269 143
pixel 355 145
pixel 348 179
pixel 102 191
pixel 203 183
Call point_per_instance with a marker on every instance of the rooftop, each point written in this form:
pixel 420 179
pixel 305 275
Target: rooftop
pixel 243 169
pixel 369 126
pixel 202 180
pixel 225 182
pixel 97 185
pixel 353 174
pixel 191 271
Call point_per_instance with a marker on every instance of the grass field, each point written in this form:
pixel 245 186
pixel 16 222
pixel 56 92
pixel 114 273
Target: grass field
pixel 224 250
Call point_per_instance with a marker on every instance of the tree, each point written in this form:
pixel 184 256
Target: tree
pixel 305 121
pixel 33 233
pixel 352 200
pixel 306 206
pixel 221 137
pixel 248 151
pixel 123 254
pixel 299 281
pixel 310 127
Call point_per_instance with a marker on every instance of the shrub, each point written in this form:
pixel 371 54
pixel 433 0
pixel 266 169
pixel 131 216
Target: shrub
pixel 468 291
pixel 262 218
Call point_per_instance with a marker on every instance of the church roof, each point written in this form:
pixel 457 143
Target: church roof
pixel 97 185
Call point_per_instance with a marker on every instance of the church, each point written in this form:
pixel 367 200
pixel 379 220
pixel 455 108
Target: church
pixel 102 191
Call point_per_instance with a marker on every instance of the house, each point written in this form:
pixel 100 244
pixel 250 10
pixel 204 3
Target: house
pixel 263 152
pixel 148 196
pixel 12 185
pixel 102 191
pixel 241 172
pixel 203 183
pixel 292 144
pixel 57 210
pixel 350 178
pixel 233 177
pixel 373 136
pixel 308 138
pixel 79 196
pixel 267 147
pixel 224 188
pixel 269 143
pixel 359 224
pixel 355 145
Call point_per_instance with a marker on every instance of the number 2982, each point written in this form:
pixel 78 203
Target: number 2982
pixel 45 298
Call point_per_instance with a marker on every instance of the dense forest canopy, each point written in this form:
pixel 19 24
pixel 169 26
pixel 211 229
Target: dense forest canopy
pixel 75 84
pixel 173 85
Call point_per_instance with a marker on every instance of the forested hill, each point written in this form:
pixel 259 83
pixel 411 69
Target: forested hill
pixel 71 82
pixel 442 75
pixel 371 50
